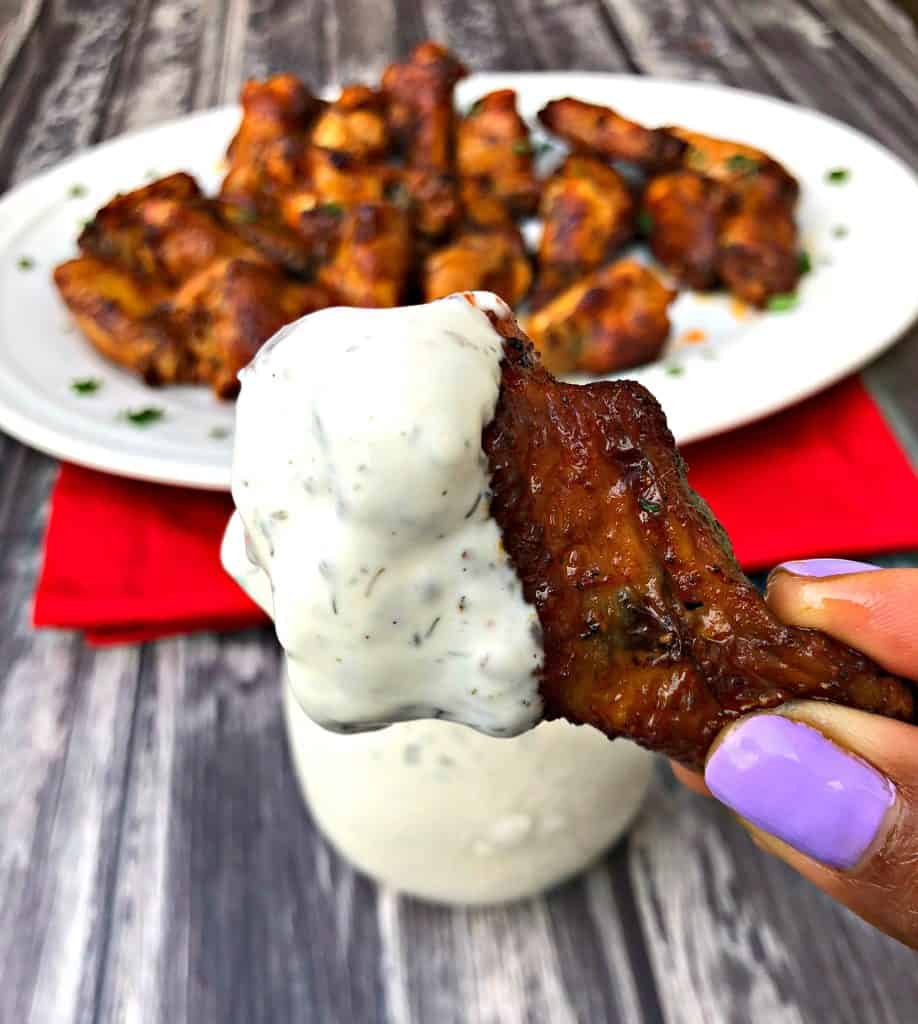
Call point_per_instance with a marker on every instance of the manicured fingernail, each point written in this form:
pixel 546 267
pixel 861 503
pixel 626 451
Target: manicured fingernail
pixel 821 567
pixel 789 780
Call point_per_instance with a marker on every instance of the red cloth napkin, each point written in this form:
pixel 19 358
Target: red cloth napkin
pixel 127 561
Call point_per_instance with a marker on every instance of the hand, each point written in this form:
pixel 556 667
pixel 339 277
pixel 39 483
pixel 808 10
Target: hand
pixel 832 791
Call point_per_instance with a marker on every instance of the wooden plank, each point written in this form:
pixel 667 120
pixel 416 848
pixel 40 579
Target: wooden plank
pixel 18 19
pixel 737 936
pixel 564 36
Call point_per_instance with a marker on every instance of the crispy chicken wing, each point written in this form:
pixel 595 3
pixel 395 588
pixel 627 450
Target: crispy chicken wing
pixel 587 212
pixel 650 629
pixel 614 318
pixel 354 124
pixel 122 317
pixel 603 131
pixel 372 262
pixel 419 95
pixel 161 238
pixel 492 261
pixel 734 163
pixel 684 213
pixel 757 246
pixel 228 311
pixel 431 198
pixel 493 150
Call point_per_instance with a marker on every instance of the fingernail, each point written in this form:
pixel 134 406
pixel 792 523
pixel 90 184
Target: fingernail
pixel 790 781
pixel 821 567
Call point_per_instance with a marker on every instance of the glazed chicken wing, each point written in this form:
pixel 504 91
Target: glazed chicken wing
pixel 587 212
pixel 614 318
pixel 757 246
pixel 372 261
pixel 494 151
pixel 650 629
pixel 228 311
pixel 603 131
pixel 493 261
pixel 419 95
pixel 161 238
pixel 354 124
pixel 684 213
pixel 123 318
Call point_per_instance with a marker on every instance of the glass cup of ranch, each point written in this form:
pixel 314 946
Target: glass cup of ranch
pixel 448 814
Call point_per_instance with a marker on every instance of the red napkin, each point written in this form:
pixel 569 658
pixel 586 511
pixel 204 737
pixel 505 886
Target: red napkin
pixel 127 561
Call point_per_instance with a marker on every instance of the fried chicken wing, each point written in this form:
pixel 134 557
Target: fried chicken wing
pixel 355 124
pixel 735 163
pixel 587 212
pixel 614 318
pixel 273 240
pixel 122 318
pixel 493 149
pixel 419 95
pixel 492 261
pixel 228 311
pixel 757 246
pixel 164 239
pixel 650 629
pixel 685 212
pixel 431 197
pixel 603 131
pixel 372 262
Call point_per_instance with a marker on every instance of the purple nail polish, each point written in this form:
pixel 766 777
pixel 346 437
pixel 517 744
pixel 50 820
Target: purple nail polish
pixel 789 780
pixel 821 567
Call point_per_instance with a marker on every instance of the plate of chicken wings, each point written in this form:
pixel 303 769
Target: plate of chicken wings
pixel 731 252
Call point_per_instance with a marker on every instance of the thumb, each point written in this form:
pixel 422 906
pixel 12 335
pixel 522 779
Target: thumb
pixel 831 790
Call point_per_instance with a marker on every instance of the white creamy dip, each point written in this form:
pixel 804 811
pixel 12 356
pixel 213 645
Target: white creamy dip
pixel 362 495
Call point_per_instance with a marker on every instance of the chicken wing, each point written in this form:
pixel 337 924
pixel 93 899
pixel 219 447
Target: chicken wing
pixel 684 212
pixel 354 124
pixel 587 211
pixel 650 629
pixel 734 163
pixel 603 131
pixel 163 239
pixel 372 261
pixel 122 317
pixel 612 319
pixel 492 261
pixel 757 246
pixel 493 149
pixel 419 95
pixel 228 311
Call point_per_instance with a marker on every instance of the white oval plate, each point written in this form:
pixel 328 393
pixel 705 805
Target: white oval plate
pixel 859 297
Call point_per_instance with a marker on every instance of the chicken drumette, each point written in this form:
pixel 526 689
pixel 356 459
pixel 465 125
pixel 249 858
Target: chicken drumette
pixel 650 629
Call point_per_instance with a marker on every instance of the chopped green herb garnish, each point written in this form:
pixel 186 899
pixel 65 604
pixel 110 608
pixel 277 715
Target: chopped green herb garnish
pixel 804 263
pixel 25 263
pixel 838 175
pixel 839 231
pixel 77 190
pixel 782 302
pixel 332 209
pixel 86 386
pixel 522 146
pixel 143 417
pixel 742 164
pixel 696 158
pixel 645 221
pixel 219 433
pixel 653 507
pixel 675 370
pixel 541 147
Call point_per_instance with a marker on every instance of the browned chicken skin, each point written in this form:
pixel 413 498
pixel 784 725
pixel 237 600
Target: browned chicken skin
pixel 612 319
pixel 419 94
pixel 650 629
pixel 494 151
pixel 684 213
pixel 604 132
pixel 354 124
pixel 372 262
pixel 479 261
pixel 587 212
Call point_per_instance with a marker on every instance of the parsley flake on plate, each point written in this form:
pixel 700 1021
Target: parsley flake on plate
pixel 782 302
pixel 85 385
pixel 143 417
pixel 838 175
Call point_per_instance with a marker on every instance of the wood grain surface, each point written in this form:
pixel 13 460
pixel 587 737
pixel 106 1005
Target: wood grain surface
pixel 156 862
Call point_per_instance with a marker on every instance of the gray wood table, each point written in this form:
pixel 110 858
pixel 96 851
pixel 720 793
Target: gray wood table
pixel 156 863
